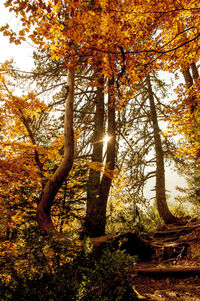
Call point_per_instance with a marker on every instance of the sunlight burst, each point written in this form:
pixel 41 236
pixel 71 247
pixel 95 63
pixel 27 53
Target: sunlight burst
pixel 106 138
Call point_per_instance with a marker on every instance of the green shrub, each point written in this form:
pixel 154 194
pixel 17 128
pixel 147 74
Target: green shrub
pixel 89 276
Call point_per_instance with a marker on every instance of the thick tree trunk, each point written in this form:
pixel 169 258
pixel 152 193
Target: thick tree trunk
pixel 160 170
pixel 93 187
pixel 110 165
pixel 52 186
pixel 98 189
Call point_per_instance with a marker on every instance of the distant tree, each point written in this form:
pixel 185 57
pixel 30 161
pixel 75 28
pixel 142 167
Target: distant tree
pixel 160 167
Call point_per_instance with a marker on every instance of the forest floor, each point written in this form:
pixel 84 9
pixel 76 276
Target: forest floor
pixel 174 271
pixel 186 288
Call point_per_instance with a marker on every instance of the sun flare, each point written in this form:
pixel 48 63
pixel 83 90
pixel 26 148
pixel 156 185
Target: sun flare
pixel 106 138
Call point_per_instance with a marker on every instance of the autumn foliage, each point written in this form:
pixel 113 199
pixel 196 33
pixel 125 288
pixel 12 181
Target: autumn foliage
pixel 117 46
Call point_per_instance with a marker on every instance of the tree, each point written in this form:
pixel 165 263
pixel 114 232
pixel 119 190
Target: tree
pixel 53 185
pixel 160 169
pixel 184 115
pixel 98 184
pixel 23 159
pixel 83 34
pixel 93 186
pixel 192 192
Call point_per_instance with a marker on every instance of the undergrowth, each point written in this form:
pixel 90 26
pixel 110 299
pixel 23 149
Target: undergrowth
pixel 63 274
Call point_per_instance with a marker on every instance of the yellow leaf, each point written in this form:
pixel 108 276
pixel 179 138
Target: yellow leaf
pixel 91 13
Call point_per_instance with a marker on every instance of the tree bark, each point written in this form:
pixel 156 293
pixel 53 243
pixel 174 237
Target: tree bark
pixel 193 100
pixel 110 165
pixel 195 73
pixel 52 186
pixel 188 78
pixel 98 188
pixel 31 136
pixel 93 186
pixel 189 81
pixel 160 170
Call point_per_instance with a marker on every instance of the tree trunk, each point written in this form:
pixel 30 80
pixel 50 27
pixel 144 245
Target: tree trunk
pixel 110 165
pixel 193 100
pixel 160 170
pixel 195 73
pixel 52 186
pixel 93 186
pixel 98 189
pixel 189 81
pixel 188 78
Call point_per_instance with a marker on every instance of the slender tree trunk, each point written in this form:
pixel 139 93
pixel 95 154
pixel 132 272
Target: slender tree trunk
pixel 188 78
pixel 93 187
pixel 194 102
pixel 195 72
pixel 52 186
pixel 160 170
pixel 189 81
pixel 28 128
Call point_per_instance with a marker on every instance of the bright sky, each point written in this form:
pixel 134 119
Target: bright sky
pixel 22 54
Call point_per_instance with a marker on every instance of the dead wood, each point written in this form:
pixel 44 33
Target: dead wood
pixel 167 269
pixel 169 244
pixel 129 241
pixel 175 231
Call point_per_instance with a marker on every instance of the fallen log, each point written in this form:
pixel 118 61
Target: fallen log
pixel 167 269
pixel 129 241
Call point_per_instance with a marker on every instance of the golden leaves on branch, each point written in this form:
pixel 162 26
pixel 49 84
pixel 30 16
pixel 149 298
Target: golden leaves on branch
pixel 184 120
